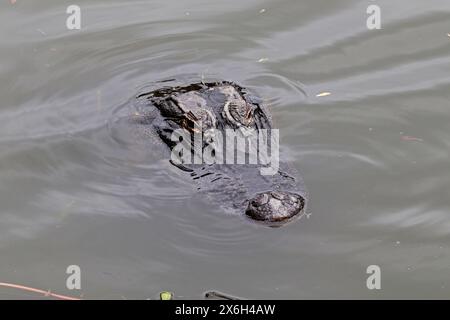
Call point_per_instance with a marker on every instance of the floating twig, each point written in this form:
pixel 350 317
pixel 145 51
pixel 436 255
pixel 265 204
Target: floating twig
pixel 47 293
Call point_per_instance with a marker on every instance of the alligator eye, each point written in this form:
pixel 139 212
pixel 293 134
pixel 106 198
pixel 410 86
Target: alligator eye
pixel 198 122
pixel 238 113
pixel 260 199
pixel 247 115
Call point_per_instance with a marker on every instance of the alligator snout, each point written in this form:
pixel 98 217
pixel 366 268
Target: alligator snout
pixel 275 206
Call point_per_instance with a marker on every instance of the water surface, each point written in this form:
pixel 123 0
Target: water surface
pixel 374 153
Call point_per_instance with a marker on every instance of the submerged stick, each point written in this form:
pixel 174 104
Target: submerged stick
pixel 220 295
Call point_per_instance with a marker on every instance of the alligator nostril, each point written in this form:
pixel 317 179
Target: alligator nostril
pixel 277 195
pixel 264 198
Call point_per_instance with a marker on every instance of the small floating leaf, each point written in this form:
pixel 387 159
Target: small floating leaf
pixel 263 60
pixel 323 94
pixel 411 138
pixel 262 10
pixel 165 295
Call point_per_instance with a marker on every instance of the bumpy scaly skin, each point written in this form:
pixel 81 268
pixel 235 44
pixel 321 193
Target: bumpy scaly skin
pixel 236 111
pixel 275 206
pixel 224 105
pixel 195 112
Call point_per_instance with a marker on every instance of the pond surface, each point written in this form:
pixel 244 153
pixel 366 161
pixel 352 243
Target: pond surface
pixel 373 152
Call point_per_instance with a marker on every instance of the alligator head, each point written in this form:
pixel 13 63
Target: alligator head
pixel 200 107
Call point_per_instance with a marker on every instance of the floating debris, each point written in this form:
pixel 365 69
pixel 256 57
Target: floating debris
pixel 203 78
pixel 187 13
pixel 219 295
pixel 448 34
pixel 166 295
pixel 262 10
pixel 263 60
pixel 323 94
pixel 41 32
pixel 46 293
pixel 66 210
pixel 411 138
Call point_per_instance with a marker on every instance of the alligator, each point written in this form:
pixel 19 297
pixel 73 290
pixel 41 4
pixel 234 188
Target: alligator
pixel 205 109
